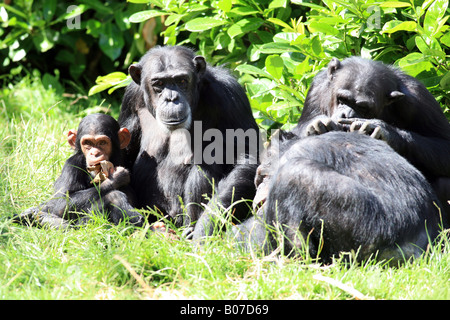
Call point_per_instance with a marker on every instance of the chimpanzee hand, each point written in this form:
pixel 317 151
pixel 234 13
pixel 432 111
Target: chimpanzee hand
pixel 374 128
pixel 322 125
pixel 119 178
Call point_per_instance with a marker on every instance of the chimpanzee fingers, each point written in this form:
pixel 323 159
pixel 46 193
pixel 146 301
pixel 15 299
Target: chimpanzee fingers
pixel 376 134
pixel 356 126
pixel 367 128
pixel 321 126
pixel 28 217
pixel 315 128
pixel 345 121
pixel 121 177
pixel 188 233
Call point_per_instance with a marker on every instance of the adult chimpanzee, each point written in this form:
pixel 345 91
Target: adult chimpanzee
pixel 181 113
pixel 340 192
pixel 92 180
pixel 379 100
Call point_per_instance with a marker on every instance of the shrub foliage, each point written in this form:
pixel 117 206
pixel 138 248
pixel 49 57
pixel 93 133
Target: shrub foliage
pixel 276 47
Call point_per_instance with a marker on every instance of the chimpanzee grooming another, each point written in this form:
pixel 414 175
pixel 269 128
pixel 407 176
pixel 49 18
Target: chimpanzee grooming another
pixel 92 180
pixel 174 99
pixel 381 101
pixel 340 192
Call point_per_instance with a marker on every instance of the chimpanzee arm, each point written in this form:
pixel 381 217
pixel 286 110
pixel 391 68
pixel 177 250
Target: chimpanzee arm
pixel 431 155
pixel 237 187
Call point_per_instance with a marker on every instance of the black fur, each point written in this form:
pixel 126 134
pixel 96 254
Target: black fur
pixel 75 198
pixel 341 192
pixel 376 99
pixel 166 170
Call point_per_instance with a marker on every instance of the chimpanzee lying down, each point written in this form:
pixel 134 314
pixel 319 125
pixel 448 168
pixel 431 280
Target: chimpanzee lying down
pixel 380 100
pixel 340 192
pixel 92 180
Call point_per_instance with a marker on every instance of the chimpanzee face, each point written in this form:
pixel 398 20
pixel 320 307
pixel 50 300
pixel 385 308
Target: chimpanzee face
pixel 360 90
pixel 96 148
pixel 169 83
pixel 99 138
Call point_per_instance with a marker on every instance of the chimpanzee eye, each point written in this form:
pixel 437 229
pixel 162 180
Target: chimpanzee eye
pixel 87 144
pixel 157 85
pixel 345 101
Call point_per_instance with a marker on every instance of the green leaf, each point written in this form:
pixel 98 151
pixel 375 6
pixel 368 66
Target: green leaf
pixel 139 1
pixel 414 63
pixel 246 68
pixel 280 23
pixel 99 6
pixel 3 14
pixel 225 5
pixel 111 41
pixel 288 37
pixel 94 27
pixel 114 79
pixel 394 4
pixel 277 47
pixel 274 66
pixel 425 44
pixel 323 28
pixel 244 26
pixel 396 25
pixel 146 15
pixel 49 8
pixel 202 24
pixel 277 4
pixel 174 18
pixel 51 82
pixel 445 81
pixel 433 16
pixel 99 88
pixel 43 41
pixel 243 11
pixel 18 55
pixel 120 84
pixel 316 46
pixel 446 39
pixel 79 9
pixel 279 106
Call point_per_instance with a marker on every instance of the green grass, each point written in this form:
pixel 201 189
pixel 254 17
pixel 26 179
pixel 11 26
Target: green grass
pixel 102 261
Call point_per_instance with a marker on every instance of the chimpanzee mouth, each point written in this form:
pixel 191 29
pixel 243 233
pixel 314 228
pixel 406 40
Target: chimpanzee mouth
pixel 174 123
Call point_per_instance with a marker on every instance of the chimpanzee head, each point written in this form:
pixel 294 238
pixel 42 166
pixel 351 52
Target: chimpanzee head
pixel 361 88
pixel 169 79
pixel 99 137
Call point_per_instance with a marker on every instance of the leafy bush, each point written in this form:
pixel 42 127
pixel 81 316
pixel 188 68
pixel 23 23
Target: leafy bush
pixel 278 46
pixel 67 42
pixel 275 46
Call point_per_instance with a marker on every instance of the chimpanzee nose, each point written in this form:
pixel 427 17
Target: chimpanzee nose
pixel 96 153
pixel 172 96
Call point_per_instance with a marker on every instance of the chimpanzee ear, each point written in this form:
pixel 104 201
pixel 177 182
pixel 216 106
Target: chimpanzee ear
pixel 333 66
pixel 124 137
pixel 395 96
pixel 135 72
pixel 72 138
pixel 200 64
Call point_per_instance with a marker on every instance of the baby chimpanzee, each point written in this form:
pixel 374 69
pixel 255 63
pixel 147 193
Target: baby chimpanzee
pixel 92 180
